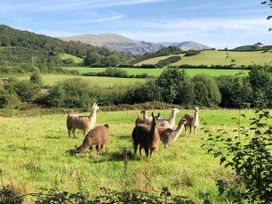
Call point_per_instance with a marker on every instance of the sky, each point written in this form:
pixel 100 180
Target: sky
pixel 216 23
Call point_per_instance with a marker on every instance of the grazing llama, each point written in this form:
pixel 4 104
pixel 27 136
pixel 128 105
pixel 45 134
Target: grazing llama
pixel 84 123
pixel 97 136
pixel 169 135
pixel 169 123
pixel 192 121
pixel 146 137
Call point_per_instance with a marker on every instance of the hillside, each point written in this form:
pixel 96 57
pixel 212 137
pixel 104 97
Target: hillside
pixel 214 57
pixel 26 49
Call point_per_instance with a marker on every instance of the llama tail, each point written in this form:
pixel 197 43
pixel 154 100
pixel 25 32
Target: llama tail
pixel 107 126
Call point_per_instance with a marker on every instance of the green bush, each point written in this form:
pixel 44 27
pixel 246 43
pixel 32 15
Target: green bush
pixel 236 92
pixel 169 80
pixel 168 61
pixel 248 154
pixel 206 92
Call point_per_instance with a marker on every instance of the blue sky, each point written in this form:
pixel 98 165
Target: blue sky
pixel 216 23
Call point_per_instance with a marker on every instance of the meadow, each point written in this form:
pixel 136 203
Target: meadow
pixel 214 57
pixel 157 71
pixel 33 155
pixel 53 79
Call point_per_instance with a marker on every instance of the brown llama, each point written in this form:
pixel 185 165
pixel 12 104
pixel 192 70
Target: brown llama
pixel 97 136
pixel 169 135
pixel 146 137
pixel 84 123
pixel 192 121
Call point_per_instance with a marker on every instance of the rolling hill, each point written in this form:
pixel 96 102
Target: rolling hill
pixel 214 57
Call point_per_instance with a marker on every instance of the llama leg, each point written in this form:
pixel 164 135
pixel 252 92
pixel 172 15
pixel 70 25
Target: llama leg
pixel 69 133
pixel 194 130
pixel 97 148
pixel 146 152
pixel 135 148
pixel 140 150
pixel 151 150
pixel 74 132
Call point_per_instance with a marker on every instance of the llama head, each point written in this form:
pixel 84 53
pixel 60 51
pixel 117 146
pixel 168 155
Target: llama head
pixel 155 118
pixel 196 108
pixel 175 110
pixel 182 121
pixel 143 111
pixel 95 107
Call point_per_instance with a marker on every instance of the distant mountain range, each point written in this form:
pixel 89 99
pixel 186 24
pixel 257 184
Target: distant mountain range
pixel 123 44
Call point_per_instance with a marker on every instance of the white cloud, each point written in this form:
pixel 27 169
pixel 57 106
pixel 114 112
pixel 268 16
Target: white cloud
pixel 104 19
pixel 69 5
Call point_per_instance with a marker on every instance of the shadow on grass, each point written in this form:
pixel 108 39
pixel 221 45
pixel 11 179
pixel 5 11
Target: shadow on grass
pixel 55 137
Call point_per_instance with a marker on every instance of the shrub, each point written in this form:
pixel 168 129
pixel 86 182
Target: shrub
pixel 206 92
pixel 261 82
pixel 168 61
pixel 248 154
pixel 191 53
pixel 236 92
pixel 9 196
pixel 169 81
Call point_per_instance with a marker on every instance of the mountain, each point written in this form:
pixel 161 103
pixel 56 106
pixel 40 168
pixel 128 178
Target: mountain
pixel 123 44
pixel 99 40
pixel 189 45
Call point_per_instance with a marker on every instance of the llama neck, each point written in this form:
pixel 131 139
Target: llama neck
pixel 177 132
pixel 172 119
pixel 92 118
pixel 145 115
pixel 195 119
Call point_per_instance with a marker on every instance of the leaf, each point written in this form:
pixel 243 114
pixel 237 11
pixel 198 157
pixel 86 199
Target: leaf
pixel 269 17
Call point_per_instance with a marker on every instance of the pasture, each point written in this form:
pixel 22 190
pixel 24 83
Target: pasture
pixel 214 57
pixel 53 79
pixel 157 71
pixel 33 155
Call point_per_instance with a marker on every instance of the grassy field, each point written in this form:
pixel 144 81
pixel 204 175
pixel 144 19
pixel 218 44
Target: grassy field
pixel 158 71
pixel 32 155
pixel 74 58
pixel 51 79
pixel 213 57
pixel 154 60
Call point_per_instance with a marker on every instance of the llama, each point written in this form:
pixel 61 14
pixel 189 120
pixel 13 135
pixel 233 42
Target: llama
pixel 84 123
pixel 147 119
pixel 146 137
pixel 169 123
pixel 189 123
pixel 195 122
pixel 168 135
pixel 139 121
pixel 192 121
pixel 97 136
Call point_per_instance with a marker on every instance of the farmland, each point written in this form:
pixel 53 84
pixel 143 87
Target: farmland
pixel 157 71
pixel 34 147
pixel 214 57
pixel 53 79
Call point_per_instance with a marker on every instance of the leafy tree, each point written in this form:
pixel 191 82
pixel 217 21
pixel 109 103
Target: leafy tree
pixel 170 80
pixel 206 92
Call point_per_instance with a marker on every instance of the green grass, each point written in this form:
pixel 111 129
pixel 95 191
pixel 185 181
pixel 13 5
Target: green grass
pixel 68 56
pixel 154 60
pixel 52 79
pixel 213 57
pixel 158 71
pixel 32 155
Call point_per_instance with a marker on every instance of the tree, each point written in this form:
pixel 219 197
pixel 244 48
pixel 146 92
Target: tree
pixel 92 59
pixel 170 80
pixel 269 3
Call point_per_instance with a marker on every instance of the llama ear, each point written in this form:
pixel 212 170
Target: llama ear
pixel 158 115
pixel 152 114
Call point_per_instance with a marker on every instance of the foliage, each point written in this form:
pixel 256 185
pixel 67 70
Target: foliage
pixel 170 60
pixel 206 92
pixel 191 53
pixel 115 72
pixel 9 196
pixel 236 92
pixel 170 79
pixel 248 154
pixel 261 82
